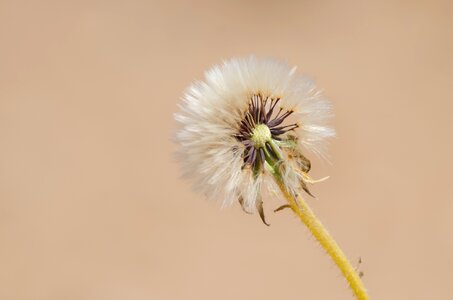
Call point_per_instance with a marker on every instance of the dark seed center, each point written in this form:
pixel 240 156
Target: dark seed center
pixel 262 117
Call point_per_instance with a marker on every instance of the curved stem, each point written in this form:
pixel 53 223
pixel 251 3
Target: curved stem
pixel 306 215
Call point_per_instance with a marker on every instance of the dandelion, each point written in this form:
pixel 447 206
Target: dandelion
pixel 249 125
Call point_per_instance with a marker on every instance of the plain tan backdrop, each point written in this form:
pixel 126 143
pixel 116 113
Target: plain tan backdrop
pixel 91 203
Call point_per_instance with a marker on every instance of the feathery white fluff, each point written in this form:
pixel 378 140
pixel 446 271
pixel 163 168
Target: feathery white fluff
pixel 210 117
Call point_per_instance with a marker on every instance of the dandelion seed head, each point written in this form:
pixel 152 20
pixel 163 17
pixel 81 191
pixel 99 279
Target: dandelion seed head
pixel 245 112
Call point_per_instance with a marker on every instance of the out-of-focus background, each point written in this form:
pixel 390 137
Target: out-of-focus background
pixel 91 203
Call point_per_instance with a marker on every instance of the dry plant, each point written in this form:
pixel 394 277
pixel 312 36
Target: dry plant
pixel 248 126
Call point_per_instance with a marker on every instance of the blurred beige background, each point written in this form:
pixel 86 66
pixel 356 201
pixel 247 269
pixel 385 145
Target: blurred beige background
pixel 91 203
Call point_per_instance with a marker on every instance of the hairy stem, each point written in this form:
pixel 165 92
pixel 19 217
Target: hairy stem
pixel 306 215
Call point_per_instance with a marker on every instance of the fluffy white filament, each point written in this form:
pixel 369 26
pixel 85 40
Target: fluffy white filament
pixel 211 113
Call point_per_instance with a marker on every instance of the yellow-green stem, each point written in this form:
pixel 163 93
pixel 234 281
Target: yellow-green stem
pixel 306 215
